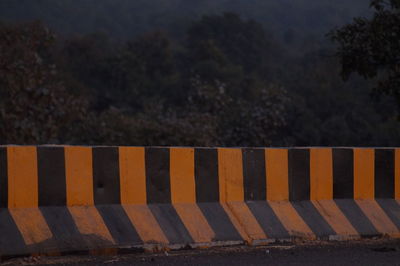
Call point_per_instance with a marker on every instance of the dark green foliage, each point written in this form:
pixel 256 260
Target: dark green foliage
pixel 34 106
pixel 228 39
pixel 222 81
pixel 371 47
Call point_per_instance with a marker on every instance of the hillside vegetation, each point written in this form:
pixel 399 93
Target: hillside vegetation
pixel 204 73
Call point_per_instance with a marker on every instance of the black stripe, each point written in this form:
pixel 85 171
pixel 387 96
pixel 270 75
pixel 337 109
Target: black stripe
pixel 384 173
pixel 343 172
pixel 357 218
pixel 268 220
pixel 51 176
pixel 313 219
pixel 206 172
pixel 392 210
pixel 119 225
pixel 157 175
pixel 63 228
pixel 171 224
pixel 299 174
pixel 106 185
pixel 219 221
pixel 254 174
pixel 11 240
pixel 3 178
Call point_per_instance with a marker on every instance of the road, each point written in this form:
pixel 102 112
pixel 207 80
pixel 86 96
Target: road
pixel 364 252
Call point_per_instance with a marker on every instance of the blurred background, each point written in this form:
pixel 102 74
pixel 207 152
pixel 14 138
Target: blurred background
pixel 200 73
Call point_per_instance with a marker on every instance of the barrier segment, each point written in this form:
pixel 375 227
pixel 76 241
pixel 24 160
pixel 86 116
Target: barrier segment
pixel 57 199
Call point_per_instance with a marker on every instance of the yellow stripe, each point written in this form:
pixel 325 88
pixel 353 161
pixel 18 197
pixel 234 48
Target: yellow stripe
pixel 291 220
pixel 247 220
pixel 364 165
pixel 195 222
pixel 276 163
pixel 132 171
pixel 22 177
pixel 378 217
pixel 397 174
pixel 236 223
pixel 321 174
pixel 79 176
pixel 335 218
pixel 230 171
pixel 145 224
pixel 32 225
pixel 183 188
pixel 89 222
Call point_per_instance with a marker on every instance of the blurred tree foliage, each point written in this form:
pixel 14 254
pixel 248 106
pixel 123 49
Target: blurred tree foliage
pixel 226 82
pixel 371 47
pixel 34 106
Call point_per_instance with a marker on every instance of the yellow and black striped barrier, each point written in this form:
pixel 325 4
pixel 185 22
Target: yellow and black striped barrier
pixel 61 199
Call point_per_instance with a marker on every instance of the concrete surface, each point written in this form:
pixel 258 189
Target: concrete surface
pixel 362 252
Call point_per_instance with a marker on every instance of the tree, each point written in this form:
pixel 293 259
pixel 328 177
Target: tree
pixel 87 64
pixel 147 67
pixel 237 121
pixel 35 107
pixel 227 49
pixel 371 47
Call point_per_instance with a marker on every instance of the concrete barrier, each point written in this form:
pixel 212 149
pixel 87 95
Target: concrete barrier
pixel 62 199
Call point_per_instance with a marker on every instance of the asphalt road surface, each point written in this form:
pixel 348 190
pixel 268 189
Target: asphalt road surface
pixel 364 252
